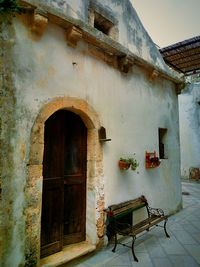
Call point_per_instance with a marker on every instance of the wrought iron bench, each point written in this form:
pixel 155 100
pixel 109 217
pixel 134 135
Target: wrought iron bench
pixel 116 212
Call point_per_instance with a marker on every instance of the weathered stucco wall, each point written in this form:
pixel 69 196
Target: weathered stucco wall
pixel 189 110
pixel 132 34
pixel 36 72
pixel 131 31
pixel 12 178
pixel 77 9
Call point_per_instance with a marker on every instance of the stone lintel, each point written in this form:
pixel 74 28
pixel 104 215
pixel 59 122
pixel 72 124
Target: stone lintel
pixel 124 64
pixel 153 75
pixel 40 22
pixel 73 35
pixel 101 41
pixel 109 58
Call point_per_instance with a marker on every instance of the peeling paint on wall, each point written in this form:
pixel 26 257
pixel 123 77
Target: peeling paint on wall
pixel 7 134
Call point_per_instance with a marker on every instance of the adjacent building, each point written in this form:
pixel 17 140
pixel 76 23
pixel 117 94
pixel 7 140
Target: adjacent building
pixel 184 57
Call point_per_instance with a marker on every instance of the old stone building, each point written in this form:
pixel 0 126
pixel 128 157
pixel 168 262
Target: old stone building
pixel 75 74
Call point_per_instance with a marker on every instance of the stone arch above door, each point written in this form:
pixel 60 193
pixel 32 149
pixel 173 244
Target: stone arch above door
pixel 33 188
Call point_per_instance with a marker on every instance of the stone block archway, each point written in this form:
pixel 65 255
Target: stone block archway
pixel 95 184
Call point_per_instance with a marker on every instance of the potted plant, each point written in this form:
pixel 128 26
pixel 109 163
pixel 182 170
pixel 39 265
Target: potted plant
pixel 126 163
pixel 152 161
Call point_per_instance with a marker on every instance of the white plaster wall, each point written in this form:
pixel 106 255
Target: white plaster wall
pixel 131 108
pixel 132 34
pixel 77 9
pixel 189 111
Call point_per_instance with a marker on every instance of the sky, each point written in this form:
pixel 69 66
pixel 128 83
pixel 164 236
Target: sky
pixel 169 21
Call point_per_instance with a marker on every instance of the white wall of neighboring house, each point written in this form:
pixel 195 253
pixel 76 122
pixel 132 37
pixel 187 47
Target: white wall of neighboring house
pixel 189 118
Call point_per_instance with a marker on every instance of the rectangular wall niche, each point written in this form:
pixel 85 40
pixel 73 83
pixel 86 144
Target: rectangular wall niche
pixel 162 136
pixel 103 22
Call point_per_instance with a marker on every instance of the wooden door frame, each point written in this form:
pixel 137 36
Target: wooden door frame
pixel 95 182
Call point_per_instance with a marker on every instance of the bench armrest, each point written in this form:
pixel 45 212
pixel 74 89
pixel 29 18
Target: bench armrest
pixel 156 212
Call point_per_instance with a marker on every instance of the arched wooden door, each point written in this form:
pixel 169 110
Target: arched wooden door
pixel 64 182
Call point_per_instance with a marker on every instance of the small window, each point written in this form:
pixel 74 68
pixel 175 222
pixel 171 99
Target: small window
pixel 102 24
pixel 162 134
pixel 103 21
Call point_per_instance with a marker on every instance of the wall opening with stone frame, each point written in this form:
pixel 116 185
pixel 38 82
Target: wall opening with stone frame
pixel 102 24
pixel 103 20
pixel 95 184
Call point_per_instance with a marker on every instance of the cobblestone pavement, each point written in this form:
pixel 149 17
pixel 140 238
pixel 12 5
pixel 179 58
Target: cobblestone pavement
pixel 153 249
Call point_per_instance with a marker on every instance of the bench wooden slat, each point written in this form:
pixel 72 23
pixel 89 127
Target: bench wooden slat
pixel 127 206
pixel 141 226
pixel 151 220
pixel 123 211
pixel 155 221
pixel 131 203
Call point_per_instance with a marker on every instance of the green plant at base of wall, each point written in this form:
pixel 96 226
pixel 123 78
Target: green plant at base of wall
pixel 30 259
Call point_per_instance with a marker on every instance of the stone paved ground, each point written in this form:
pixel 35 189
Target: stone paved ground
pixel 153 249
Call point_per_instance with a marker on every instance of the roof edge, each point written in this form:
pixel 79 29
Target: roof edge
pixel 92 36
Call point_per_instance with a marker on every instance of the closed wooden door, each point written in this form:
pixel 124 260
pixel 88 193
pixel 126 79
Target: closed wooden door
pixel 64 182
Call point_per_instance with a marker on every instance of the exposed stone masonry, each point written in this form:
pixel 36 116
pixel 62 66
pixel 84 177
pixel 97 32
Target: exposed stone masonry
pixel 7 132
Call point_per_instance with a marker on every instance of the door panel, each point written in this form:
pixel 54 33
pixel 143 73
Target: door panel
pixel 54 141
pixel 74 218
pixel 75 153
pixel 51 225
pixel 64 182
pixel 52 198
pixel 75 182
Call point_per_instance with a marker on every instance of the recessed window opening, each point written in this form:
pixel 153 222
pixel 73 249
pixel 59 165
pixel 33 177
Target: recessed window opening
pixel 102 24
pixel 162 136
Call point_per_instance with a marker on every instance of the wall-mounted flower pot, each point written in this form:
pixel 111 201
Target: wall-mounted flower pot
pixel 123 165
pixel 151 160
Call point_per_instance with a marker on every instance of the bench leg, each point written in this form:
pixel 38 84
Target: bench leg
pixel 113 250
pixel 133 252
pixel 167 235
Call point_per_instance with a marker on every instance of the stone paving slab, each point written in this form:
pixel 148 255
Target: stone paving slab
pixel 153 249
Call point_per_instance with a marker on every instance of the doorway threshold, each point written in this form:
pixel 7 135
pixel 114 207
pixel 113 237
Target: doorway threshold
pixel 68 253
